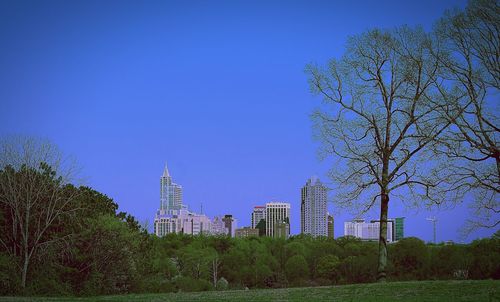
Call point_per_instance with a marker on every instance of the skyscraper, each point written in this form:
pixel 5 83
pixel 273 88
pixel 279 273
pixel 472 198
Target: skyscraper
pixel 313 214
pixel 277 213
pixel 259 213
pixel 170 194
pixel 167 219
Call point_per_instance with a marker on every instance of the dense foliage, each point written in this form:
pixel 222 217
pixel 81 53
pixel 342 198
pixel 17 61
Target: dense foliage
pixel 102 251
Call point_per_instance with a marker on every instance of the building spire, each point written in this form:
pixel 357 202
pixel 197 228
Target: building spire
pixel 165 171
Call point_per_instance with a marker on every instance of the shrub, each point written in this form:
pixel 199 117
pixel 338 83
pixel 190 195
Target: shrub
pixel 222 284
pixel 188 284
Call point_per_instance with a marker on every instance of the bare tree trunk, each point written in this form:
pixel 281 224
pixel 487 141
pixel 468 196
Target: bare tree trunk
pixel 25 268
pixel 14 233
pixel 26 245
pixel 215 270
pixel 382 244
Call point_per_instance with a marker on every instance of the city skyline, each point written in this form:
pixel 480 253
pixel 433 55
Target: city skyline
pixel 224 99
pixel 313 190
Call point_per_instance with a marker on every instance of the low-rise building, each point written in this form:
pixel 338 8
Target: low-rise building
pixel 367 230
pixel 181 221
pixel 281 229
pixel 218 227
pixel 246 232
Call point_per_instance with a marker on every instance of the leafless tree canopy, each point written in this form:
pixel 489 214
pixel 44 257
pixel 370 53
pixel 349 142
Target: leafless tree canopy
pixel 383 109
pixel 471 41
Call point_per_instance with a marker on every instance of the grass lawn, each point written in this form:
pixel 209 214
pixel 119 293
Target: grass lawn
pixel 484 290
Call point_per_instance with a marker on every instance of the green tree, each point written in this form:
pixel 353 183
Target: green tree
pixel 110 252
pixel 159 266
pixel 276 248
pixel 328 267
pixel 249 263
pixel 446 260
pixel 486 258
pixel 195 261
pixel 235 264
pixel 295 248
pixel 262 227
pixel 410 258
pixel 296 269
pixel 94 203
pixel 9 283
pixel 318 248
pixel 357 260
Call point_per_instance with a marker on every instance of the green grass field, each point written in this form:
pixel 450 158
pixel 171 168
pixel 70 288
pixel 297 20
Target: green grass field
pixel 485 290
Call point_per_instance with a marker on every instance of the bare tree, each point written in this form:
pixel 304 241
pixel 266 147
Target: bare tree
pixel 34 197
pixel 382 110
pixel 471 41
pixel 214 269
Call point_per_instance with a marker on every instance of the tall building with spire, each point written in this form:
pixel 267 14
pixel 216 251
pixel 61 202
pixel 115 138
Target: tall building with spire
pixel 313 210
pixel 172 216
pixel 170 193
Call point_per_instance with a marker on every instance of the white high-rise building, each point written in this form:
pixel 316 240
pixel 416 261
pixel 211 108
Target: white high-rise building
pixel 367 230
pixel 277 213
pixel 259 213
pixel 170 194
pixel 313 210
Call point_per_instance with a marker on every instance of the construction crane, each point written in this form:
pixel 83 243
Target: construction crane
pixel 433 219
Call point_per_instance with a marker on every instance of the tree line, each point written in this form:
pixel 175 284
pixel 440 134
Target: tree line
pixel 61 239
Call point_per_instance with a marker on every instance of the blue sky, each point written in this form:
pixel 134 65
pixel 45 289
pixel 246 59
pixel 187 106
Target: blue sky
pixel 217 89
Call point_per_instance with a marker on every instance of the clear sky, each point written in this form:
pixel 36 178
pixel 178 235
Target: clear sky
pixel 217 89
